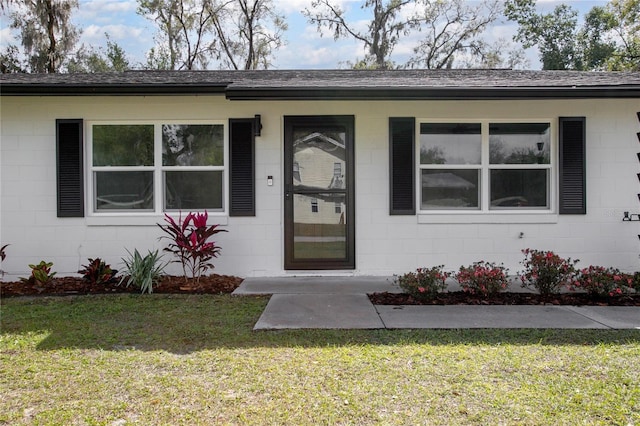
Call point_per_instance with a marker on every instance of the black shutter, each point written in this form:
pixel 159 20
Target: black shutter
pixel 69 168
pixel 241 170
pixel 402 166
pixel 573 192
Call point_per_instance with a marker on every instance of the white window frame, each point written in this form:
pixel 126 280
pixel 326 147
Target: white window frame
pixel 486 214
pixel 133 217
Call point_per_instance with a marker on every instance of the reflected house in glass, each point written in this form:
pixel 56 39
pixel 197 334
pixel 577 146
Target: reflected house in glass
pixel 457 189
pixel 368 172
pixel 319 164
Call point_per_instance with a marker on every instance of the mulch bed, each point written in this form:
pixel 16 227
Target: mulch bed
pixel 211 284
pixel 463 298
pixel 220 284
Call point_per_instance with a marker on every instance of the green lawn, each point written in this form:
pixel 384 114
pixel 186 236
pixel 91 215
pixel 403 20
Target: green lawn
pixel 157 359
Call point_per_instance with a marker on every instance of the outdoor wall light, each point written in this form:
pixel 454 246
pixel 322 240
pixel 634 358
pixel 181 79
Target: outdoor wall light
pixel 257 125
pixel 628 217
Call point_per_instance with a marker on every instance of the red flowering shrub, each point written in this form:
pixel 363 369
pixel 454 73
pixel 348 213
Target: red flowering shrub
pixel 635 282
pixel 423 284
pixel 483 278
pixel 600 281
pixel 190 243
pixel 546 272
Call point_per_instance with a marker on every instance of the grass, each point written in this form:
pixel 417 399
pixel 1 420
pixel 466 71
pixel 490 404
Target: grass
pixel 158 359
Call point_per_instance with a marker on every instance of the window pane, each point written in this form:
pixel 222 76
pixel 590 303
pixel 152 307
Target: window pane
pixel 450 143
pixel 319 158
pixel 319 232
pixel 124 190
pixel 519 143
pixel 193 190
pixel 121 145
pixel 519 188
pixel 450 189
pixel 192 145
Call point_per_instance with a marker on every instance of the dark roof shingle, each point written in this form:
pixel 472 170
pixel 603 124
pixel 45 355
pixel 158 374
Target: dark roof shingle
pixel 335 84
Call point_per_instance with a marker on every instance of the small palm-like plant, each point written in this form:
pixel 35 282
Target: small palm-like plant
pixel 143 272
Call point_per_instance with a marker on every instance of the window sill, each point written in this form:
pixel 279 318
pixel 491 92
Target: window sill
pixel 483 217
pixel 147 220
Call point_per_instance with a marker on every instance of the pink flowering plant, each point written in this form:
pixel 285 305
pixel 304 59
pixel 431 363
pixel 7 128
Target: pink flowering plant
pixel 189 242
pixel 424 283
pixel 483 278
pixel 599 281
pixel 547 272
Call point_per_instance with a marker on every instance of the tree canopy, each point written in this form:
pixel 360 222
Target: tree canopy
pixel 246 34
pixel 608 39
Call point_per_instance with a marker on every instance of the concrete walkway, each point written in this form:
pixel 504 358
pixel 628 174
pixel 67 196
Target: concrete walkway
pixel 342 303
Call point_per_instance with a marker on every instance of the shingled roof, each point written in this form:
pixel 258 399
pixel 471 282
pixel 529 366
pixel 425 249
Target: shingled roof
pixel 335 84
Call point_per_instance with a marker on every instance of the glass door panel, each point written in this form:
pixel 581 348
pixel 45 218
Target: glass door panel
pixel 319 230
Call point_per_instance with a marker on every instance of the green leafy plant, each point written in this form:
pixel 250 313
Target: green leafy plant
pixel 40 274
pixel 635 282
pixel 599 281
pixel 483 278
pixel 143 272
pixel 190 243
pixel 547 272
pixel 98 272
pixel 424 283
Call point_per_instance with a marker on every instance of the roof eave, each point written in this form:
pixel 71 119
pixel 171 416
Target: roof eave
pixel 441 93
pixel 110 90
pixel 325 93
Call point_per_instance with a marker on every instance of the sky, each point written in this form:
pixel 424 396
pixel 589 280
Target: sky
pixel 305 48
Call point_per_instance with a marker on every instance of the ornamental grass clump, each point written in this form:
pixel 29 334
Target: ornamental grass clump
pixel 547 272
pixel 424 283
pixel 483 278
pixel 599 281
pixel 143 272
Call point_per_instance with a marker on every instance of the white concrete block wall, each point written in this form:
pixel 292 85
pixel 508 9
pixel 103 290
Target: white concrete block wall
pixel 384 244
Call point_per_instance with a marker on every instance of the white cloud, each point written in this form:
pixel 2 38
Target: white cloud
pixel 96 9
pixel 116 32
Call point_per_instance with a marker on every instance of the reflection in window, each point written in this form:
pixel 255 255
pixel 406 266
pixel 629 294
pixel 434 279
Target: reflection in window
pixel 508 167
pixel 192 145
pixel 450 143
pixel 450 189
pixel 193 190
pixel 123 190
pixel 124 170
pixel 519 188
pixel 321 157
pixel 519 143
pixel 296 171
pixel 122 145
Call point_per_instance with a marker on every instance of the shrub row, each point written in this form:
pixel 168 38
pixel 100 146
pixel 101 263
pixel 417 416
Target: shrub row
pixel 543 271
pixel 188 243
